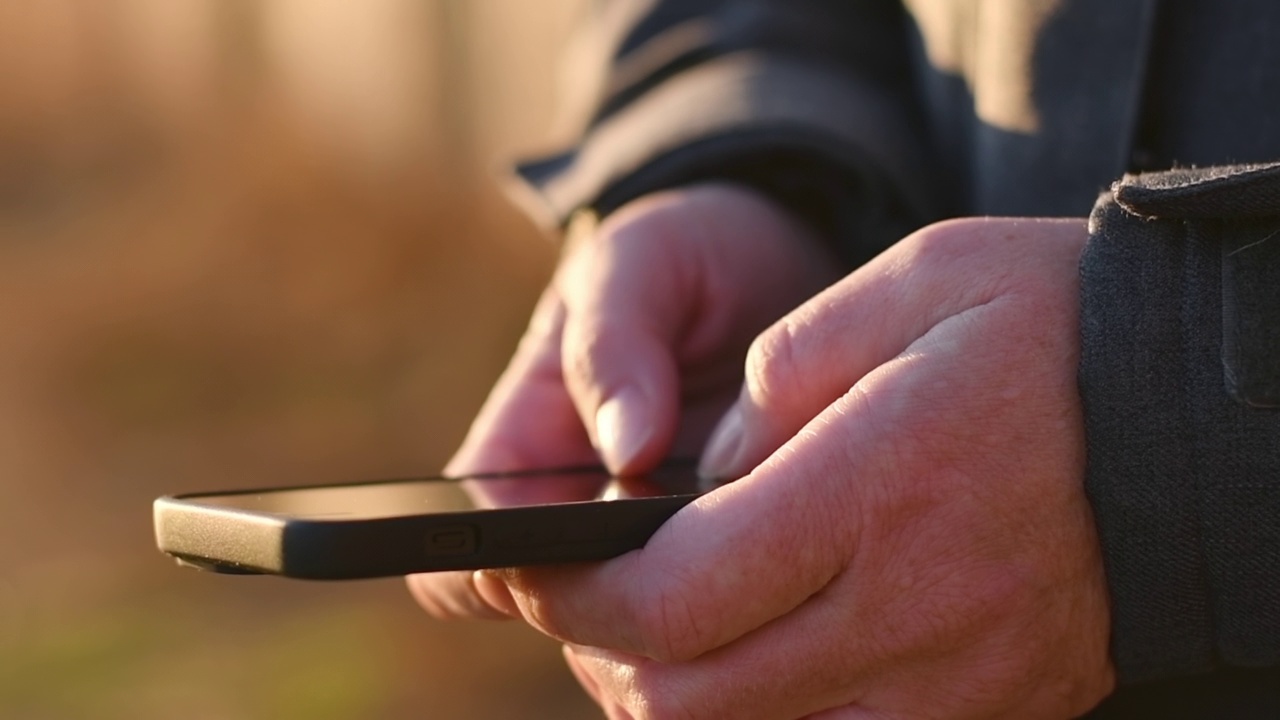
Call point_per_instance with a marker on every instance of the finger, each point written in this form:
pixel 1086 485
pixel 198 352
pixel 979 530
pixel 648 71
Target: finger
pixel 675 280
pixel 828 654
pixel 782 670
pixel 805 361
pixel 453 595
pixel 723 566
pixel 626 301
pixel 630 686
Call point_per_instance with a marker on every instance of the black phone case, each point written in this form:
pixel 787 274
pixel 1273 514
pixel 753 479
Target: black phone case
pixel 242 542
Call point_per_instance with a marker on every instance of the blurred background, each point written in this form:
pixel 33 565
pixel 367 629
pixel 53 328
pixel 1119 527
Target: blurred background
pixel 247 243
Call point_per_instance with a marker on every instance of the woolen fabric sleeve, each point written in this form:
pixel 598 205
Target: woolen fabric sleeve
pixel 810 101
pixel 1180 379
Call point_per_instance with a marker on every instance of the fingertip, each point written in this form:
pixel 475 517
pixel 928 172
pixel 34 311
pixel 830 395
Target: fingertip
pixel 451 596
pixel 722 454
pixel 624 430
pixel 494 591
pixel 424 594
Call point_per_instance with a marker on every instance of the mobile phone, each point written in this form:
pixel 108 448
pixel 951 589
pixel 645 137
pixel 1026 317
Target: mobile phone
pixel 399 527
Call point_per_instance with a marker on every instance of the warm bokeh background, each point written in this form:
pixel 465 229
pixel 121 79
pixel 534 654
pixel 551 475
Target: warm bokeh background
pixel 247 243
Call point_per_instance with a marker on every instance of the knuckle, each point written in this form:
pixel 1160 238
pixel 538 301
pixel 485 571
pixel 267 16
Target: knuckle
pixel 974 249
pixel 773 371
pixel 943 241
pixel 546 617
pixel 586 351
pixel 643 229
pixel 582 346
pixel 647 225
pixel 539 605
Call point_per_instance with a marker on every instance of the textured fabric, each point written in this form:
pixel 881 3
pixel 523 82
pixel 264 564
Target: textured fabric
pixel 1251 310
pixel 1087 66
pixel 853 80
pixel 712 89
pixel 1249 191
pixel 1242 204
pixel 1228 694
pixel 1185 476
pixel 768 111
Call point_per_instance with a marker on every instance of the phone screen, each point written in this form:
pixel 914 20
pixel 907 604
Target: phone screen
pixel 397 498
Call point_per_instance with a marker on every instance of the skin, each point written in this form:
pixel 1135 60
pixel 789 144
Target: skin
pixel 634 350
pixel 909 536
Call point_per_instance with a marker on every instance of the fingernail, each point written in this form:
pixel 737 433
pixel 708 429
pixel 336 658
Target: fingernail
pixel 722 450
pixel 622 429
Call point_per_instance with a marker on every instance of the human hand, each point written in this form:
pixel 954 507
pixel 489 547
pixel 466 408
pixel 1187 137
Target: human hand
pixel 634 350
pixel 916 542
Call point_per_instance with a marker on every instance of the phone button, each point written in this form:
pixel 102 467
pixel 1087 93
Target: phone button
pixel 451 540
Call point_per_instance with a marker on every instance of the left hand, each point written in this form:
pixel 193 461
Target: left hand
pixel 916 542
pixel 633 351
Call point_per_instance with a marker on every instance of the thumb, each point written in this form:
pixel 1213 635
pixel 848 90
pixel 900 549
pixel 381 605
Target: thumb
pixel 804 362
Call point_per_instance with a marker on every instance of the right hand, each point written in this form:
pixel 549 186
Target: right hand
pixel 633 352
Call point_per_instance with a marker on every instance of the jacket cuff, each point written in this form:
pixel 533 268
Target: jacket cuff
pixel 711 120
pixel 1179 368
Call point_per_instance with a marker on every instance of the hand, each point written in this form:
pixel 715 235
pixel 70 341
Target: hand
pixel 634 350
pixel 916 542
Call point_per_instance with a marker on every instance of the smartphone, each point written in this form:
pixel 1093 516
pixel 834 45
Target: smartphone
pixel 399 527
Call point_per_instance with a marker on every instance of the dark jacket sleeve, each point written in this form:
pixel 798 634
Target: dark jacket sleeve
pixel 811 101
pixel 1180 377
